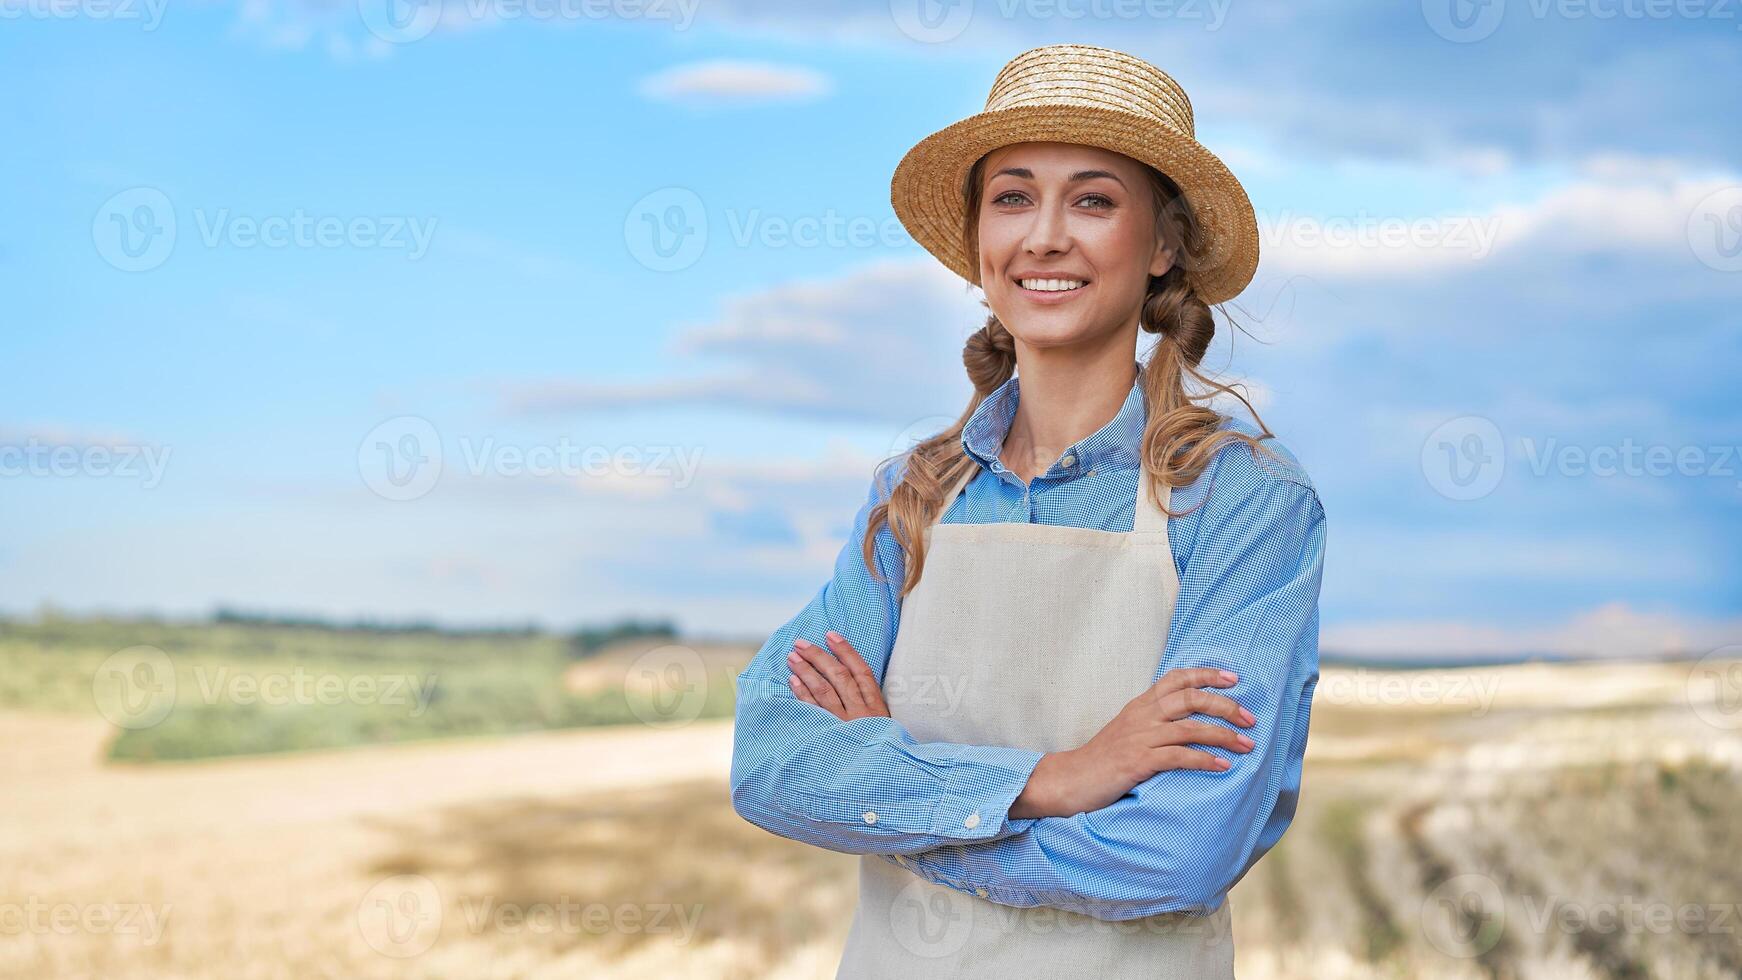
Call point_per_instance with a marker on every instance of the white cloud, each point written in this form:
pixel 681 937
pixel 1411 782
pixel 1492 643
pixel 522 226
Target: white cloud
pixel 880 342
pixel 1612 630
pixel 1614 203
pixel 737 82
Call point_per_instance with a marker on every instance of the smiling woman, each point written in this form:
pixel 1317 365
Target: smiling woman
pixel 1009 697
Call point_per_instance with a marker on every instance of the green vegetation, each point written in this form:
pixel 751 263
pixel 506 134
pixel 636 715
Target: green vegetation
pixel 589 641
pixel 244 684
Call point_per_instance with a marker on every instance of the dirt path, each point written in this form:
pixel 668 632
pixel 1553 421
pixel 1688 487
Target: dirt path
pixel 59 790
pixel 265 866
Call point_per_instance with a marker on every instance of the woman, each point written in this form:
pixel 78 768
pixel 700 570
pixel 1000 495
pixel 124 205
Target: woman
pixel 1010 697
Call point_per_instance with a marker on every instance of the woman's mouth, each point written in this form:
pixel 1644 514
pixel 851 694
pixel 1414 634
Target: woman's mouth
pixel 1051 291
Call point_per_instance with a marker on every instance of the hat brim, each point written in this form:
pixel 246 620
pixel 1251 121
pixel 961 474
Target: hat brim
pixel 926 190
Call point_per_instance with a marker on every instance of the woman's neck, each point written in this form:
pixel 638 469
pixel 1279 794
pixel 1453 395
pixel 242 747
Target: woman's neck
pixel 1061 400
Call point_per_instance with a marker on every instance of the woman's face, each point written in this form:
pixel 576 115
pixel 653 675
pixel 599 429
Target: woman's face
pixel 1063 211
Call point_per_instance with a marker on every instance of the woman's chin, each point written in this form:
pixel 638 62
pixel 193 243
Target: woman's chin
pixel 1041 332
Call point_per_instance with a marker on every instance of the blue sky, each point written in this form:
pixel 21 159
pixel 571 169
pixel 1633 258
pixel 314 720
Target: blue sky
pixel 1503 250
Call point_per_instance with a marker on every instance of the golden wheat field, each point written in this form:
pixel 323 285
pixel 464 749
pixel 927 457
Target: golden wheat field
pixel 1516 821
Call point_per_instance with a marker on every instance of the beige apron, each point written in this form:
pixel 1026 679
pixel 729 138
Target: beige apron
pixel 1032 636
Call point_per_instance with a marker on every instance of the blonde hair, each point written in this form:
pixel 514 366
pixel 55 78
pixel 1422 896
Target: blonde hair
pixel 1181 436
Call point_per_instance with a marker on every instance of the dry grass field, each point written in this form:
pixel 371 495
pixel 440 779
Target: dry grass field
pixel 1521 821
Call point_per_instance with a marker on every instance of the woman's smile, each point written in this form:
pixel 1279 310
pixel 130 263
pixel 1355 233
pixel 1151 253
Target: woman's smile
pixel 1050 290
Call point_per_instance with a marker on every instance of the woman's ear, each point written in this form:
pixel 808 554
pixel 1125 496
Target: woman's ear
pixel 1163 260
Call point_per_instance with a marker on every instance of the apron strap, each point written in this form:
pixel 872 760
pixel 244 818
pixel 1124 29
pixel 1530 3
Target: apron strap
pixel 956 491
pixel 1147 516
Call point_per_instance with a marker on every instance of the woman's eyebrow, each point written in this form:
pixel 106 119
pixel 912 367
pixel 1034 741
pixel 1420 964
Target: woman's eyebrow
pixel 1078 177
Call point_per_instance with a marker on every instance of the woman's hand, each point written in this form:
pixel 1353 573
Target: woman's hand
pixel 1149 735
pixel 839 681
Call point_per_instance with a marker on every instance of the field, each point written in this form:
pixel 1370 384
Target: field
pixel 1518 821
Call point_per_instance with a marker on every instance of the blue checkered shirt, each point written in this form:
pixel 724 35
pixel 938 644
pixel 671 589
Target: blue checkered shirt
pixel 1249 562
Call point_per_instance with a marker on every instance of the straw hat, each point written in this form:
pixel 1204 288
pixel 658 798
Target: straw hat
pixel 1080 93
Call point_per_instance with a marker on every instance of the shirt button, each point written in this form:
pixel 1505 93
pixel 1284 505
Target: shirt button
pixel 1068 459
pixel 980 892
pixel 972 821
pixel 870 816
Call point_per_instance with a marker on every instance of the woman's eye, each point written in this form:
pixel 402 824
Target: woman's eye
pixel 1105 202
pixel 1005 197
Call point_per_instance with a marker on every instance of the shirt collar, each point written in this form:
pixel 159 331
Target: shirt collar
pixel 1116 445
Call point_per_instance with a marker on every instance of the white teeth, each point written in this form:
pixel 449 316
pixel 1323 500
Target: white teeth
pixel 1052 285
